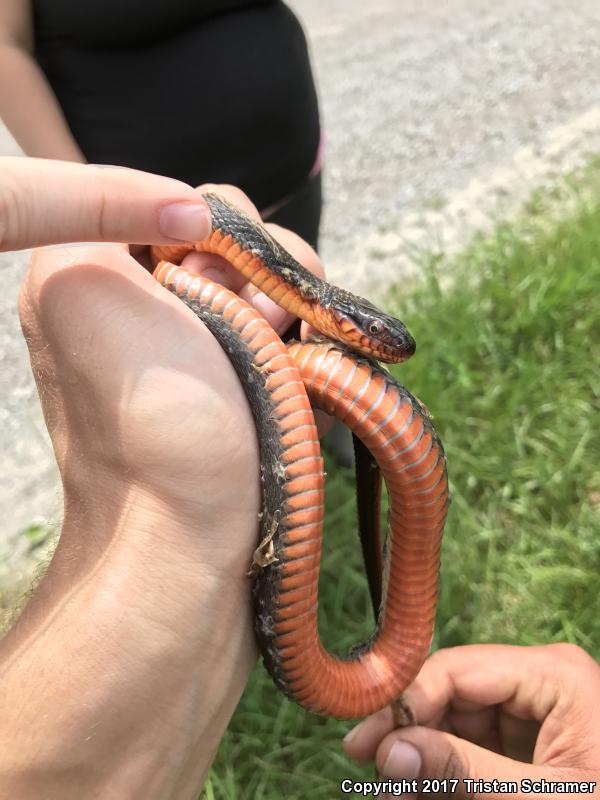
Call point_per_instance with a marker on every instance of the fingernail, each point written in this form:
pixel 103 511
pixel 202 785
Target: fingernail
pixel 188 222
pixel 403 761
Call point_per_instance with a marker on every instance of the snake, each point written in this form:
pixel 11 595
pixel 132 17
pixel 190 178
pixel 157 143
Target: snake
pixel 337 370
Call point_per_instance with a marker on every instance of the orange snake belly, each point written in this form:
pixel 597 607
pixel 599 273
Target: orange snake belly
pixel 281 382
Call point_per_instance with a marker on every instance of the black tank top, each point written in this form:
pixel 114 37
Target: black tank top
pixel 201 91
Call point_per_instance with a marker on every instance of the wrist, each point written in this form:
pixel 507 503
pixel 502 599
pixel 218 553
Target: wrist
pixel 136 654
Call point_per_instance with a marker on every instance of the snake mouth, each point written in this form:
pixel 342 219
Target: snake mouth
pixel 407 349
pixel 391 337
pixel 397 346
pixel 365 328
pixel 395 354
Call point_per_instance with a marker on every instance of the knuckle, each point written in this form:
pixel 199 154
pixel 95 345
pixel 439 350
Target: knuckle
pixel 453 765
pixel 438 655
pixel 440 658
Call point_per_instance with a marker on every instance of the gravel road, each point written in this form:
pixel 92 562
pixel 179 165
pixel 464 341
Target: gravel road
pixel 432 112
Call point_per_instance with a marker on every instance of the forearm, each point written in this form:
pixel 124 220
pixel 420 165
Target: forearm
pixel 30 110
pixel 107 692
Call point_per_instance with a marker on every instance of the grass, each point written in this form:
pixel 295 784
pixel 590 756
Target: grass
pixel 508 362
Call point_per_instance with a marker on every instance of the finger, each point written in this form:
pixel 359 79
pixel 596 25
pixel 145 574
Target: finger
pixel 215 268
pixel 218 269
pixel 221 271
pixel 362 741
pixel 48 202
pixel 429 754
pixel 210 265
pixel 536 683
pixel 480 726
pixel 279 318
pixel 525 681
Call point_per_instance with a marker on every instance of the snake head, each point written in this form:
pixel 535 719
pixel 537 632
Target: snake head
pixel 363 327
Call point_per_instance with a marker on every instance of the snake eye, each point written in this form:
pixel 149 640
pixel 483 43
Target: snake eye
pixel 375 327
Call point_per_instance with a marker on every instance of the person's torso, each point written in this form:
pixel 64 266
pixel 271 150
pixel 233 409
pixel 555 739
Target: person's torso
pixel 118 23
pixel 216 91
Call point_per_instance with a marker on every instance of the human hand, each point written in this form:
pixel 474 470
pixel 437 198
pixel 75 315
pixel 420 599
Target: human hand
pixel 48 202
pixel 493 712
pixel 145 609
pixel 103 335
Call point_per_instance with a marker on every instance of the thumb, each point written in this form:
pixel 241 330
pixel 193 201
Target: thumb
pixel 50 202
pixel 431 754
